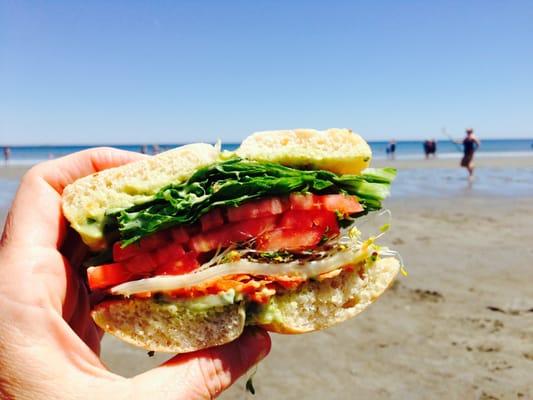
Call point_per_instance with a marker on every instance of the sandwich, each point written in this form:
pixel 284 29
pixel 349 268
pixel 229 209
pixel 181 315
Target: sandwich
pixel 192 245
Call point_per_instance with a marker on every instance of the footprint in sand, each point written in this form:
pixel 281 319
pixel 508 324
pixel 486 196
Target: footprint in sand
pixel 423 238
pixel 510 310
pixel 485 324
pixel 528 355
pixel 497 365
pixel 487 396
pixel 427 295
pixel 489 347
pixel 397 241
pixel 483 347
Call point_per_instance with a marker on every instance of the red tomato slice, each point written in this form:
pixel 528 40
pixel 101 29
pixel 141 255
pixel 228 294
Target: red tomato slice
pixel 231 233
pixel 179 235
pixel 326 221
pixel 121 254
pixel 183 265
pixel 249 229
pixel 154 241
pixel 212 219
pixel 304 201
pixel 107 275
pixel 168 253
pixel 140 264
pixel 342 203
pixel 205 242
pixel 257 209
pixel 289 239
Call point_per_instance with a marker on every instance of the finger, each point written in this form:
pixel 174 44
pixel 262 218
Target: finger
pixel 74 293
pixel 35 217
pixel 206 373
pixel 65 170
pixel 74 249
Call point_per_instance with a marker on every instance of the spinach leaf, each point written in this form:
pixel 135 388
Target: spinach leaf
pixel 235 181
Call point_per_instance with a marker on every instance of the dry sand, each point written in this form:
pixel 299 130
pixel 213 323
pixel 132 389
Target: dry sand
pixel 460 326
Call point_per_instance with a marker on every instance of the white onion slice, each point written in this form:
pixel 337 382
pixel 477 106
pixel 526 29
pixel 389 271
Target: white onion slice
pixel 305 270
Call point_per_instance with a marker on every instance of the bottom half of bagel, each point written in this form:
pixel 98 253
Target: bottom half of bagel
pixel 174 326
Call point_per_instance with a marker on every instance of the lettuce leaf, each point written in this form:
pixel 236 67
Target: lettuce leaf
pixel 232 182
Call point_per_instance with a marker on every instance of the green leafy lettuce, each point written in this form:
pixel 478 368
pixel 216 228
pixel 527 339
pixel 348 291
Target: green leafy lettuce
pixel 232 182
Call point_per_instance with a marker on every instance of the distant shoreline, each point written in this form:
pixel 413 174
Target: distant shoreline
pixel 405 150
pixel 170 144
pixel 16 168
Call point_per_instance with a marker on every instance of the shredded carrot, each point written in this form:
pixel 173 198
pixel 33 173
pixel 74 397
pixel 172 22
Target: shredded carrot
pixel 258 288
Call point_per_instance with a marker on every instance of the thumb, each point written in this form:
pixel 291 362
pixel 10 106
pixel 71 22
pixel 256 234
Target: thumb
pixel 203 374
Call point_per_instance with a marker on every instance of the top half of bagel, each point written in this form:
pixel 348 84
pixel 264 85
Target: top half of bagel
pixel 86 201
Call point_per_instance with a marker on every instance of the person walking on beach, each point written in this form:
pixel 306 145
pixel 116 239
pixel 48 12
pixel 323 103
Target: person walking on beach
pixel 470 145
pixel 430 148
pixel 7 154
pixel 391 150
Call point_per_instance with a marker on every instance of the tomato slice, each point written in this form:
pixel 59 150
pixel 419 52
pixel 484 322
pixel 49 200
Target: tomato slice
pixel 107 275
pixel 231 233
pixel 325 221
pixel 212 219
pixel 121 254
pixel 140 264
pixel 168 253
pixel 304 201
pixel 179 235
pixel 154 241
pixel 289 239
pixel 344 204
pixel 249 229
pixel 257 209
pixel 183 265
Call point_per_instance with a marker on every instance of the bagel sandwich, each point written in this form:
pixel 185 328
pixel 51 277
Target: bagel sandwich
pixel 190 246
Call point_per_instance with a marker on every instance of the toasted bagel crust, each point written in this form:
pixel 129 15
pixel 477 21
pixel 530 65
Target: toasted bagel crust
pixel 319 305
pixel 169 327
pixel 337 150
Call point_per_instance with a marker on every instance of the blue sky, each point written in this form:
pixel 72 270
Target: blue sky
pixel 132 71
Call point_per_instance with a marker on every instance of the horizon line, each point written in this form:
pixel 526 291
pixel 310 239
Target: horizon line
pixel 98 144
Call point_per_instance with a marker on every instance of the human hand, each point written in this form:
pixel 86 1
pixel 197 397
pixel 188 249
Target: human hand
pixel 49 345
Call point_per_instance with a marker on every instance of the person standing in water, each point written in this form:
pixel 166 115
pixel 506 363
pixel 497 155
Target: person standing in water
pixel 7 154
pixel 470 145
pixel 391 150
pixel 430 148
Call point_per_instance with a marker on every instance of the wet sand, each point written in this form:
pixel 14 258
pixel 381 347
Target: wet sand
pixel 460 326
pixel 481 161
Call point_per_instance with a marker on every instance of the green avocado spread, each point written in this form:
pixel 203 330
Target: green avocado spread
pixel 266 314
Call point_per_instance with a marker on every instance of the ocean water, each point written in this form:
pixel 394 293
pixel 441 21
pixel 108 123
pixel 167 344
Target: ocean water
pixel 410 183
pixel 453 183
pixel 404 149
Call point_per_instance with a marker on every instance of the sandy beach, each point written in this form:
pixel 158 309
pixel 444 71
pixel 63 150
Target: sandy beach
pixel 459 326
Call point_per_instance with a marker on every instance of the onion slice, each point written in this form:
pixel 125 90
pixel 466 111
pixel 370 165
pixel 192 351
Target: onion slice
pixel 305 270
